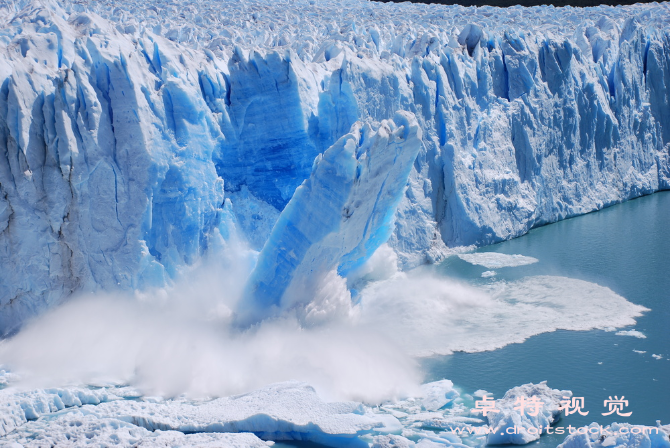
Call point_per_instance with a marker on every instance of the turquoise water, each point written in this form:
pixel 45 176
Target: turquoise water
pixel 624 247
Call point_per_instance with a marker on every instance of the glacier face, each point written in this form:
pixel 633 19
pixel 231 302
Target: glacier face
pixel 137 137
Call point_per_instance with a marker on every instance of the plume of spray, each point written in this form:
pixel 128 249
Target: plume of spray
pixel 181 340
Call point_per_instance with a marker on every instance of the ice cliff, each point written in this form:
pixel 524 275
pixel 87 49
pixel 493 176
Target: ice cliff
pixel 137 137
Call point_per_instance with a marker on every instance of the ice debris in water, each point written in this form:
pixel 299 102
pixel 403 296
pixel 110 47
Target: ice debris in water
pixel 515 423
pixel 451 316
pixel 285 411
pixel 494 260
pixel 633 333
pixel 140 137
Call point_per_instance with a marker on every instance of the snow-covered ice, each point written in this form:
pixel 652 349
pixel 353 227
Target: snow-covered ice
pixel 438 394
pixel 283 411
pixel 518 421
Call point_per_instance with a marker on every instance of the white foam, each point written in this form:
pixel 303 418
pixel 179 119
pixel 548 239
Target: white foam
pixel 180 341
pixel 494 260
pixel 429 315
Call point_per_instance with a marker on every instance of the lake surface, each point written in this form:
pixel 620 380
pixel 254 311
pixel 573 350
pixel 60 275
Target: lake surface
pixel 625 248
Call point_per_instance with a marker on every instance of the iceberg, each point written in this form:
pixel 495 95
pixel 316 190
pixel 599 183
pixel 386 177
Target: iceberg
pixel 136 138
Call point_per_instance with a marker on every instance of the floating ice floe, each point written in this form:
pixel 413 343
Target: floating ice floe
pixel 633 333
pixel 494 260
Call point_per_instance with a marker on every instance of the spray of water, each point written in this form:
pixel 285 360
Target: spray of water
pixel 182 340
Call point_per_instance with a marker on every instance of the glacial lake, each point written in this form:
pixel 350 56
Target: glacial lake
pixel 625 248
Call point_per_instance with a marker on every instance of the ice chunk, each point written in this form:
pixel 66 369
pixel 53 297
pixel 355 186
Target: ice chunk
pixel 438 394
pixel 515 423
pixel 285 411
pixel 494 260
pixel 633 333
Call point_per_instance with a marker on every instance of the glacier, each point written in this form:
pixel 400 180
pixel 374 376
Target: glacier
pixel 138 137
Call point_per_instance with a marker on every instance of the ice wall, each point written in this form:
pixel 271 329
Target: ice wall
pixel 136 137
